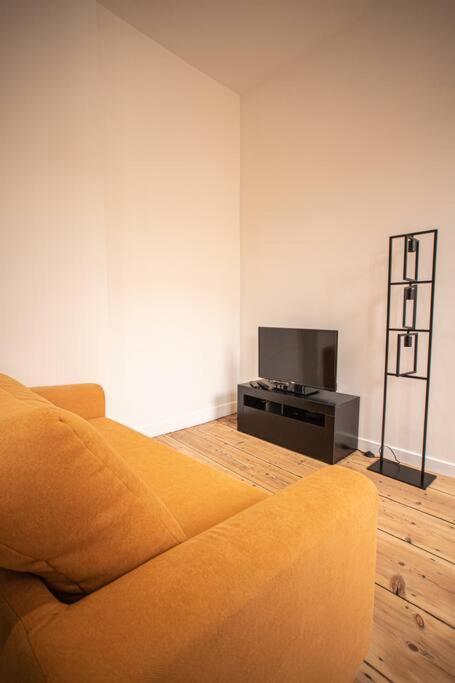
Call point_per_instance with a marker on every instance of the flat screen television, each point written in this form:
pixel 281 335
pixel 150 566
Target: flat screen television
pixel 303 357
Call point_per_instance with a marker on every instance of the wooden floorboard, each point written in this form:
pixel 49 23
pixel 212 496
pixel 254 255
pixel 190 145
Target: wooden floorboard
pixel 409 644
pixel 430 501
pixel 263 473
pixel 367 674
pixel 199 455
pixel 414 635
pixel 442 483
pixel 422 531
pixel 416 576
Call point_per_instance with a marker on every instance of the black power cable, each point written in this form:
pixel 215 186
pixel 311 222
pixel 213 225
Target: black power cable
pixel 393 453
pixel 370 454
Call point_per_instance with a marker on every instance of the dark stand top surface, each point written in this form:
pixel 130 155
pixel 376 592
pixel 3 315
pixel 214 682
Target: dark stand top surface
pixel 332 398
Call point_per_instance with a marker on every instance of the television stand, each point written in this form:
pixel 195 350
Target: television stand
pixel 324 427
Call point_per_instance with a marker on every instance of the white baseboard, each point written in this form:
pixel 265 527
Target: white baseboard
pixel 435 465
pixel 197 417
pixel 192 419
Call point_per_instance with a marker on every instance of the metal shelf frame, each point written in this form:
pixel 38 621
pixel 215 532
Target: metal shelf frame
pixel 383 465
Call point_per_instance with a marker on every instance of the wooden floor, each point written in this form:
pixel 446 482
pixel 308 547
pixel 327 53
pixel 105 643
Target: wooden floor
pixel 414 624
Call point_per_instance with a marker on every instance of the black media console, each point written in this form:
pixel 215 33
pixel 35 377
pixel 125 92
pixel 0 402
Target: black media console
pixel 325 426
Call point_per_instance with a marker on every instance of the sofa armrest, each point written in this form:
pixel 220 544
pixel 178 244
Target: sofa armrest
pixel 280 593
pixel 86 400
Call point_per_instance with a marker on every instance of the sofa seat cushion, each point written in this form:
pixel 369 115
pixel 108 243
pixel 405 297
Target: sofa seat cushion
pixel 71 510
pixel 198 495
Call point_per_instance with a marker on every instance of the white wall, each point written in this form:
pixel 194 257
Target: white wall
pixel 172 218
pixel 52 247
pixel 119 220
pixel 119 196
pixel 355 143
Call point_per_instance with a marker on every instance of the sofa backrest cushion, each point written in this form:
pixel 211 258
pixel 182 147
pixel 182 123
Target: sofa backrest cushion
pixel 71 510
pixel 15 396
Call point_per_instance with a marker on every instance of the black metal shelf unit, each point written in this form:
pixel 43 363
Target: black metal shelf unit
pixel 408 337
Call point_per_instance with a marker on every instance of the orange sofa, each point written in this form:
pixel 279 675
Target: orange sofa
pixel 249 587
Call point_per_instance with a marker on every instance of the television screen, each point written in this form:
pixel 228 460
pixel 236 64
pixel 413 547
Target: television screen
pixel 307 357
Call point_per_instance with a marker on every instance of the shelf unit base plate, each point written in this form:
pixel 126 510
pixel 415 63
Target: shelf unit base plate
pixel 408 475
